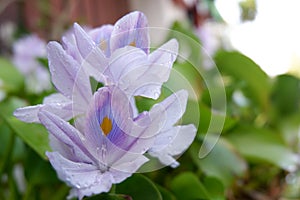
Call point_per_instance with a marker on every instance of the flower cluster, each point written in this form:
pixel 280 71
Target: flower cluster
pixel 26 52
pixel 108 138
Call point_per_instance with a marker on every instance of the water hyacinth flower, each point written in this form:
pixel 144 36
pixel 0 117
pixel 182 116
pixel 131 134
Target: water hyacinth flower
pixel 131 68
pixel 111 145
pixel 109 138
pixel 26 52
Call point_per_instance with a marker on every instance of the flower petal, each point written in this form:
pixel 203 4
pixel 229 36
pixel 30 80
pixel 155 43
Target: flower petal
pixel 65 76
pixel 67 134
pixel 128 164
pixel 86 179
pixel 112 104
pixel 132 29
pixel 70 46
pixel 94 61
pixel 173 108
pixel 173 142
pixel 146 78
pixel 28 114
pixel 101 36
pixel 55 103
pixel 160 65
pixel 125 61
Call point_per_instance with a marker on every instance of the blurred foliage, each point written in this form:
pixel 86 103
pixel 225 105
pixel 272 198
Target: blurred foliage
pixel 256 156
pixel 248 8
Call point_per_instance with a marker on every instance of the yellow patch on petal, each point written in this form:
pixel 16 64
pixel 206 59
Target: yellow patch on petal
pixel 103 45
pixel 133 44
pixel 106 125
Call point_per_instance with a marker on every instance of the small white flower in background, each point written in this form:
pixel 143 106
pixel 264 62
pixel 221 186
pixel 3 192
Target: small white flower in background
pixel 2 92
pixel 26 52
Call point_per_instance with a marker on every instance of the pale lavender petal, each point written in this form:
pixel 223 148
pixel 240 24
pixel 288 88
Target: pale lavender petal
pixel 56 98
pixel 28 114
pixel 128 163
pixel 60 147
pixel 146 78
pixel 173 108
pixel 132 29
pixel 63 69
pixel 101 36
pixel 60 106
pixel 166 54
pixel 86 179
pixel 94 62
pixel 173 142
pixel 70 46
pixel 124 61
pixel 67 134
pixel 54 103
pixel 65 76
pixel 125 135
pixel 160 65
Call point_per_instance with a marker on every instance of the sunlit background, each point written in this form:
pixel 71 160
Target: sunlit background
pixel 269 32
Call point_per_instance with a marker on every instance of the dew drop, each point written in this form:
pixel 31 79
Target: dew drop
pixel 85 185
pixel 118 27
pixel 173 56
pixel 174 164
pixel 156 95
pixel 98 149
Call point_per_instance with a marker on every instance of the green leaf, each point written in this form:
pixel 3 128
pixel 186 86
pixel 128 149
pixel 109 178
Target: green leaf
pixel 223 162
pixel 187 186
pixel 109 197
pixel 286 95
pixel 243 69
pixel 11 77
pixel 34 135
pixel 5 137
pixel 214 121
pixel 38 171
pixel 259 145
pixel 215 188
pixel 139 187
pixel 166 194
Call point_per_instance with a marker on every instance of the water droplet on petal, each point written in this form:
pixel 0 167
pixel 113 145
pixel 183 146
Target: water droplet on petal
pixel 174 164
pixel 173 56
pixel 118 27
pixel 156 95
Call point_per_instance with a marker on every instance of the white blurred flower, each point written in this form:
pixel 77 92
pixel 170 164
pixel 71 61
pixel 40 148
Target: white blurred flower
pixel 26 52
pixel 2 92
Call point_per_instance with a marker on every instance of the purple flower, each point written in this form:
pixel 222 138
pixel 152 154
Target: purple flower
pixel 108 139
pixel 131 68
pixel 26 51
pixel 110 146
